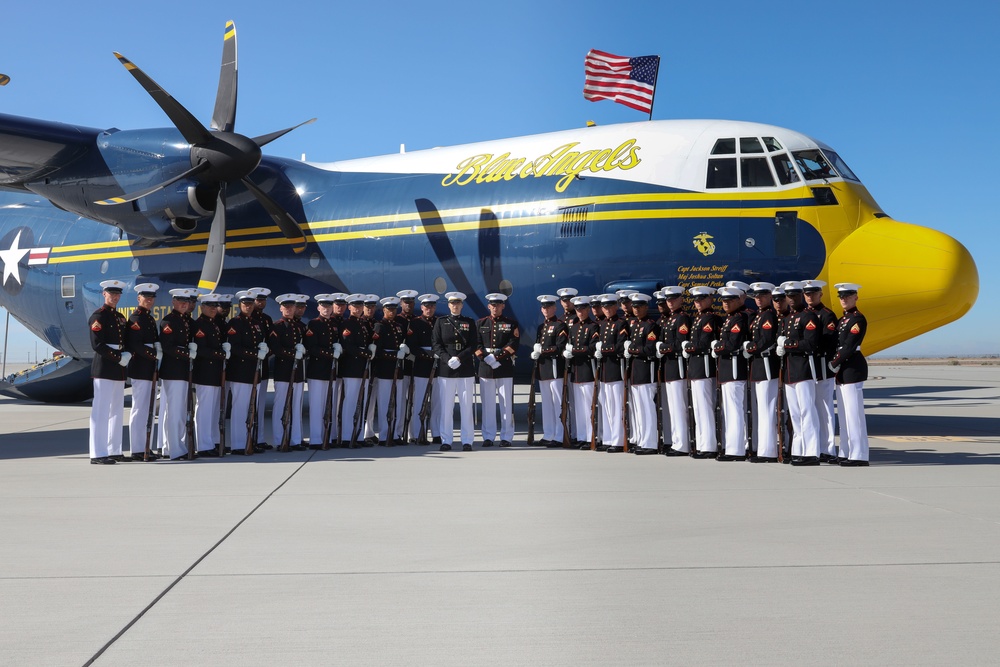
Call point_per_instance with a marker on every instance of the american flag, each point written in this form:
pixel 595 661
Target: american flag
pixel 628 81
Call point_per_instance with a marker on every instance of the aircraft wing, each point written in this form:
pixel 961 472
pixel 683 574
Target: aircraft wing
pixel 31 149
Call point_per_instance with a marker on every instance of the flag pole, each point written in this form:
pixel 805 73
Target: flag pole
pixel 656 78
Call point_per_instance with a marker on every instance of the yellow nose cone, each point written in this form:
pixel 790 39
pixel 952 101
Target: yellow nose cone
pixel 913 279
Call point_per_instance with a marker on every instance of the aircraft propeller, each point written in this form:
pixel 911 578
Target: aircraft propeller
pixel 219 156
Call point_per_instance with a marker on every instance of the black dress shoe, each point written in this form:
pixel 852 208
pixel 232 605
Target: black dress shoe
pixel 142 457
pixel 552 444
pixel 466 448
pixel 228 450
pixel 260 449
pixel 487 443
pixel 238 452
pixel 850 463
pixel 263 445
pixel 382 443
pixel 728 457
pixel 645 451
pixel 763 459
pixel 119 458
pixel 674 452
pixel 615 450
pixel 103 461
pixel 702 455
pixel 315 447
pixel 436 440
pixel 601 448
pixel 826 458
pixel 806 461
pixel 503 443
pixel 368 443
pixel 209 453
pixel 445 448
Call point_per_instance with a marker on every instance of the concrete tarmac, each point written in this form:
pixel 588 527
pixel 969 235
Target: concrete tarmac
pixel 526 556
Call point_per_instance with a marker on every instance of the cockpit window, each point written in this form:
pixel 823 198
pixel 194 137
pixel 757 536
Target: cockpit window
pixel 772 144
pixel 724 147
pixel 840 165
pixel 754 172
pixel 785 170
pixel 750 145
pixel 813 165
pixel 722 173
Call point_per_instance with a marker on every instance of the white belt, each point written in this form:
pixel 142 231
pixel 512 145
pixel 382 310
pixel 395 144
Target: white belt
pixel 426 349
pixel 114 347
pixel 493 350
pixel 149 345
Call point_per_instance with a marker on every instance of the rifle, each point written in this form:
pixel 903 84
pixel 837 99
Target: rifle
pixel 408 410
pixel 252 413
pixel 748 398
pixel 328 411
pixel 359 409
pixel 391 407
pixel 659 407
pixel 720 448
pixel 781 410
pixel 531 405
pixel 627 385
pixel 425 404
pixel 286 416
pixel 149 417
pixel 564 415
pixel 594 421
pixel 222 413
pixel 190 412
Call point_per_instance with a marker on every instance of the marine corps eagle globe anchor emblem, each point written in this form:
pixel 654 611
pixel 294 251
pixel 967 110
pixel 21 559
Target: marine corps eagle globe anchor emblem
pixel 703 244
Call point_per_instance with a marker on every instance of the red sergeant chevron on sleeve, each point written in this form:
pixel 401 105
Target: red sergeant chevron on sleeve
pixel 628 81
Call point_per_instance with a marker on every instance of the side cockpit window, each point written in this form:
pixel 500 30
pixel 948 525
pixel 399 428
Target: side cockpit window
pixel 813 165
pixel 840 165
pixel 783 167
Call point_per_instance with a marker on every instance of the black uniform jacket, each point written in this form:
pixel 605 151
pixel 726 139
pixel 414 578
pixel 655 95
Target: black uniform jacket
pixel 704 329
pixel 583 336
pixel 735 329
pixel 614 337
pixel 763 337
pixel 420 340
pixel 455 336
pixel 175 334
pixel 321 334
pixel 388 335
pixel 801 347
pixel 210 359
pixel 107 338
pixel 552 335
pixel 643 335
pixel 140 337
pixel 265 323
pixel 355 337
pixel 828 340
pixel 245 336
pixel 500 337
pixel 850 332
pixel 675 328
pixel 285 335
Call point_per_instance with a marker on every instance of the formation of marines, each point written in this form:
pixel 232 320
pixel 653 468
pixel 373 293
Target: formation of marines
pixel 748 383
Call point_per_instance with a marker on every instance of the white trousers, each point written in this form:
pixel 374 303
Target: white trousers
pixel 277 428
pixel 206 413
pixel 106 414
pixel 434 419
pixel 853 428
pixel 663 413
pixel 801 398
pixel 676 394
pixel 703 397
pixel 317 410
pixel 583 399
pixel 734 406
pixel 172 435
pixel 449 388
pixel 352 389
pixel 139 416
pixel 766 418
pixel 382 390
pixel 495 391
pixel 238 416
pixel 644 409
pixel 825 390
pixel 261 410
pixel 612 396
pixel 551 391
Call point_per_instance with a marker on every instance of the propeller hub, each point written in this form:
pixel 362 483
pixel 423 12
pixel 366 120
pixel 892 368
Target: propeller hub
pixel 230 157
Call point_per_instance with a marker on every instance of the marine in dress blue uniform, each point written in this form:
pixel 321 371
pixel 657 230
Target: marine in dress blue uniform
pixel 800 345
pixel 455 344
pixel 851 370
pixel 550 340
pixel 143 341
pixel 108 370
pixel 675 329
pixel 764 369
pixel 701 368
pixel 497 339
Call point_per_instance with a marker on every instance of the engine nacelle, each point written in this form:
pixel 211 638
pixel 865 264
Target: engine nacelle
pixel 179 207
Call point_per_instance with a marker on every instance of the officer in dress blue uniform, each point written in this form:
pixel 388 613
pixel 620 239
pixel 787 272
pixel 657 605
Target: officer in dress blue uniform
pixel 609 352
pixel 851 370
pixel 674 330
pixel 266 323
pixel 497 338
pixel 799 345
pixel 455 344
pixel 420 340
pixel 812 291
pixel 356 341
pixel 143 341
pixel 209 356
pixel 701 370
pixel 764 369
pixel 733 371
pixel 108 370
pixel 390 351
pixel 640 353
pixel 285 343
pixel 176 341
pixel 550 340
pixel 584 334
pixel 248 350
pixel 322 341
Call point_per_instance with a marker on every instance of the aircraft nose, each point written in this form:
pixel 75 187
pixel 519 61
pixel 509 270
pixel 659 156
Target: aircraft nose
pixel 913 279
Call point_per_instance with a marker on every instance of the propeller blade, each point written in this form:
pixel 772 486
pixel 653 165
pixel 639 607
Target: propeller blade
pixel 282 218
pixel 194 132
pixel 132 196
pixel 265 139
pixel 224 115
pixel 211 270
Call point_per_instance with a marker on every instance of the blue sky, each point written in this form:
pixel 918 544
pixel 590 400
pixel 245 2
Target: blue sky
pixel 907 94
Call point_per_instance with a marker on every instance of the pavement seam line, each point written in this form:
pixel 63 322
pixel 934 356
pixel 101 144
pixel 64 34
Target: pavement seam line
pixel 184 574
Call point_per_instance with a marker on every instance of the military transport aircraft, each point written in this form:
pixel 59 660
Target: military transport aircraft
pixel 636 205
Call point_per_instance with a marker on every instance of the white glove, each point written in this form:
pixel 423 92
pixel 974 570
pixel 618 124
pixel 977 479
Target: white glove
pixel 262 351
pixel 193 351
pixel 535 354
pixel 227 348
pixel 781 341
pixel 661 349
pixel 833 368
pixel 495 365
pixel 569 347
pixel 716 348
pixel 597 350
pixel 126 357
pixel 538 349
pixel 746 349
pixel 338 350
pixel 686 348
pixel 404 350
pixel 371 349
pixel 568 352
pixel 491 360
pixel 454 363
pixel 159 351
pixel 300 351
pixel 628 351
pixel 781 348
